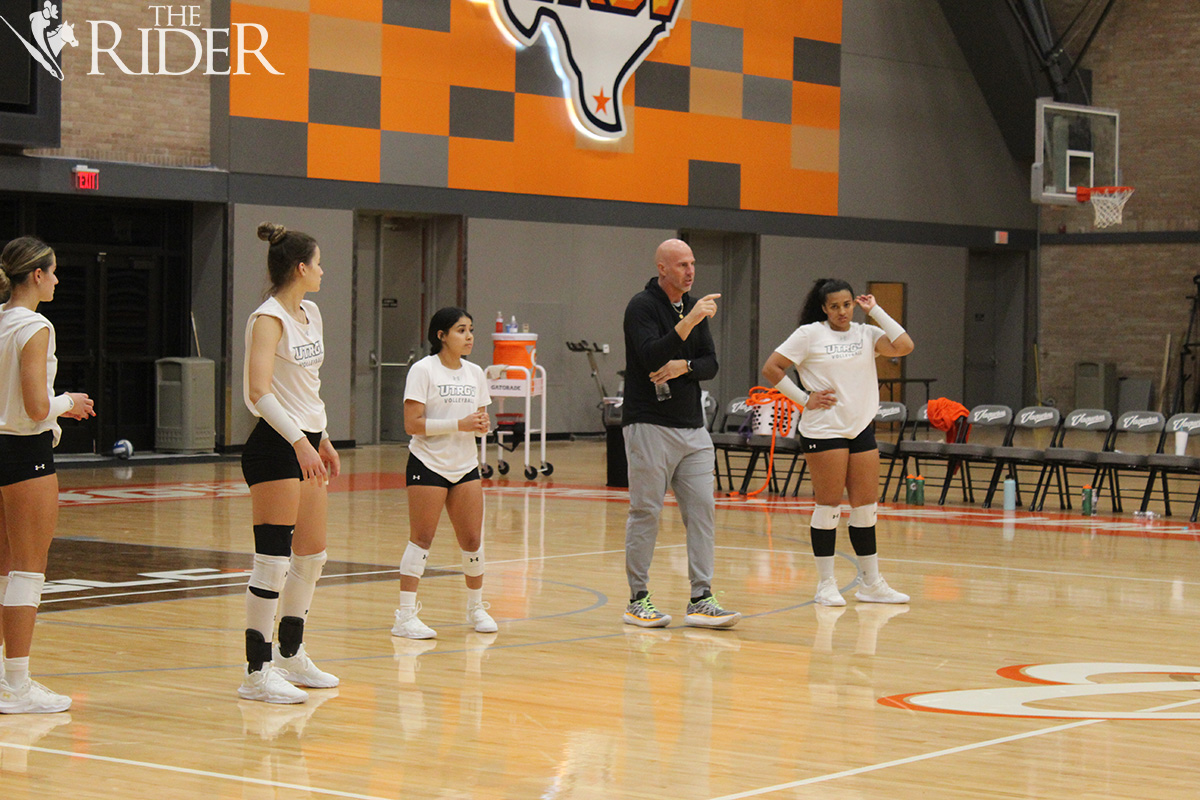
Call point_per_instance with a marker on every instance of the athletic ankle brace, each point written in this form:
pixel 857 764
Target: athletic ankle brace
pixel 412 563
pixel 291 636
pixel 473 563
pixel 24 589
pixel 268 575
pixel 258 650
pixel 273 540
pixel 826 517
pixel 864 516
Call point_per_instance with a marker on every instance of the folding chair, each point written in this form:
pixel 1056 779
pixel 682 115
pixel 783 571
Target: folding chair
pixel 959 455
pixel 889 413
pixel 1162 464
pixel 1092 426
pixel 927 449
pixel 1020 447
pixel 1126 449
pixel 732 435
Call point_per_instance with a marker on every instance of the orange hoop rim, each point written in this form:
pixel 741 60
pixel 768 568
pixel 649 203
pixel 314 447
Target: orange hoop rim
pixel 1084 193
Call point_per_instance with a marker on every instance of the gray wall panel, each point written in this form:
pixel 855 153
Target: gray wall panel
pixel 917 139
pixel 569 282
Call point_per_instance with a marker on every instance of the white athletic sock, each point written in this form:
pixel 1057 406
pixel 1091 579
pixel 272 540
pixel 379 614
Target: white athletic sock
pixel 474 597
pixel 868 567
pixel 824 567
pixel 16 671
pixel 260 614
pixel 408 599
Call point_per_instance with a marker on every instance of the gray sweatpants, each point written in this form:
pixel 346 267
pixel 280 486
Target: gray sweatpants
pixel 680 459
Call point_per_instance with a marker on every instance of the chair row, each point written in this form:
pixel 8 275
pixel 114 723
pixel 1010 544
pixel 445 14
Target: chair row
pixel 1039 438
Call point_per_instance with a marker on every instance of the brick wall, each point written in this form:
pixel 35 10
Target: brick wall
pixel 146 119
pixel 1118 302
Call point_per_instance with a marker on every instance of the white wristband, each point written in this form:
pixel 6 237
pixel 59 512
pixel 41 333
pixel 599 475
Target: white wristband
pixel 893 329
pixel 61 404
pixel 788 388
pixel 324 435
pixel 270 409
pixel 440 427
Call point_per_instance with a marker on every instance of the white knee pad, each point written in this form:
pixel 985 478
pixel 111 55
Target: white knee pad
pixel 826 518
pixel 473 563
pixel 308 568
pixel 412 563
pixel 269 573
pixel 24 589
pixel 864 516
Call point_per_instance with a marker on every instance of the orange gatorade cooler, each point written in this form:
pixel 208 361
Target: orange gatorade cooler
pixel 515 350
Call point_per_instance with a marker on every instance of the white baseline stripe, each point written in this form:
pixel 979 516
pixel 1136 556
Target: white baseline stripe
pixel 901 761
pixel 936 754
pixel 186 771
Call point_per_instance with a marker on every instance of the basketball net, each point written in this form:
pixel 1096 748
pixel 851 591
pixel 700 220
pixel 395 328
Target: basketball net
pixel 1107 202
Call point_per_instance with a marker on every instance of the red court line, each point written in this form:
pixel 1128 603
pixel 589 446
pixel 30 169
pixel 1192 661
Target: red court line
pixel 1044 522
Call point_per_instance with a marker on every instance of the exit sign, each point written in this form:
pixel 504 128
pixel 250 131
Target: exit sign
pixel 86 178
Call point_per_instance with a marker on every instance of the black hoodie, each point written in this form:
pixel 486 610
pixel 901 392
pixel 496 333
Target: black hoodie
pixel 650 342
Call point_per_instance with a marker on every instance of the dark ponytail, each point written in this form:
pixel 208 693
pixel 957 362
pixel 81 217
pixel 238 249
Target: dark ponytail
pixel 813 309
pixel 289 249
pixel 443 321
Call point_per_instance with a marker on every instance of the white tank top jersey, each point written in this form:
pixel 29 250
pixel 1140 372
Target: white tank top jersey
pixel 447 394
pixel 298 358
pixel 844 362
pixel 17 327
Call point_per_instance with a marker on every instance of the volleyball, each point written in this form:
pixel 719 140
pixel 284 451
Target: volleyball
pixel 122 449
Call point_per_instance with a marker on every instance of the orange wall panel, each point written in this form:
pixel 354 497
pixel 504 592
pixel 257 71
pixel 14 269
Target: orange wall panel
pixel 261 94
pixel 340 153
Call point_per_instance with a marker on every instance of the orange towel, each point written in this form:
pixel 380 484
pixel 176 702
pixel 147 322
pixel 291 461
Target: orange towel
pixel 947 415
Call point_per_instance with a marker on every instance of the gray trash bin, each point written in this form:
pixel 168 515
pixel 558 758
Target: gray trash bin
pixel 185 409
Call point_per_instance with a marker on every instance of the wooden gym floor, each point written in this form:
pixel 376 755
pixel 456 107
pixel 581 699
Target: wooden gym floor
pixel 1042 656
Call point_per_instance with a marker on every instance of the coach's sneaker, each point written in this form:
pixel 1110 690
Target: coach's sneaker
pixel 707 613
pixel 641 612
pixel 409 626
pixel 31 698
pixel 300 670
pixel 268 686
pixel 828 594
pixel 880 592
pixel 479 619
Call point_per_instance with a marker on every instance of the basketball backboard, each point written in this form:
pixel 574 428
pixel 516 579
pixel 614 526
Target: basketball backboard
pixel 1076 146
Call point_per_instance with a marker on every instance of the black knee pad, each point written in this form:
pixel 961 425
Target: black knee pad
pixel 273 540
pixel 863 540
pixel 291 636
pixel 824 542
pixel 258 650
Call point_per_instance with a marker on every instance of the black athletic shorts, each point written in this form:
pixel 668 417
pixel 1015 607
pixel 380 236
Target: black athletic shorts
pixel 267 456
pixel 417 474
pixel 23 458
pixel 862 443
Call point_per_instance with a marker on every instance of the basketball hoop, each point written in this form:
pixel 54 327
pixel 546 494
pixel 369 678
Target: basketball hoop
pixel 1107 202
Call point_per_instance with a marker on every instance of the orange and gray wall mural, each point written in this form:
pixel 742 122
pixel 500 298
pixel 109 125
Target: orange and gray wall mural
pixel 729 104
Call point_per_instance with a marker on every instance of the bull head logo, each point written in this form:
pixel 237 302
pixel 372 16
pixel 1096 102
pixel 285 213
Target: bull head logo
pixel 597 44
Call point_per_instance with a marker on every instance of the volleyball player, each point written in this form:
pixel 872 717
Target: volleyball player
pixel 444 410
pixel 286 462
pixel 29 431
pixel 835 357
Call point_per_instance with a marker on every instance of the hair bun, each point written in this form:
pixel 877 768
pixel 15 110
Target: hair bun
pixel 270 232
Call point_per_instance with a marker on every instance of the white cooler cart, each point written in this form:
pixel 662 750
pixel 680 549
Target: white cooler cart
pixel 526 384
